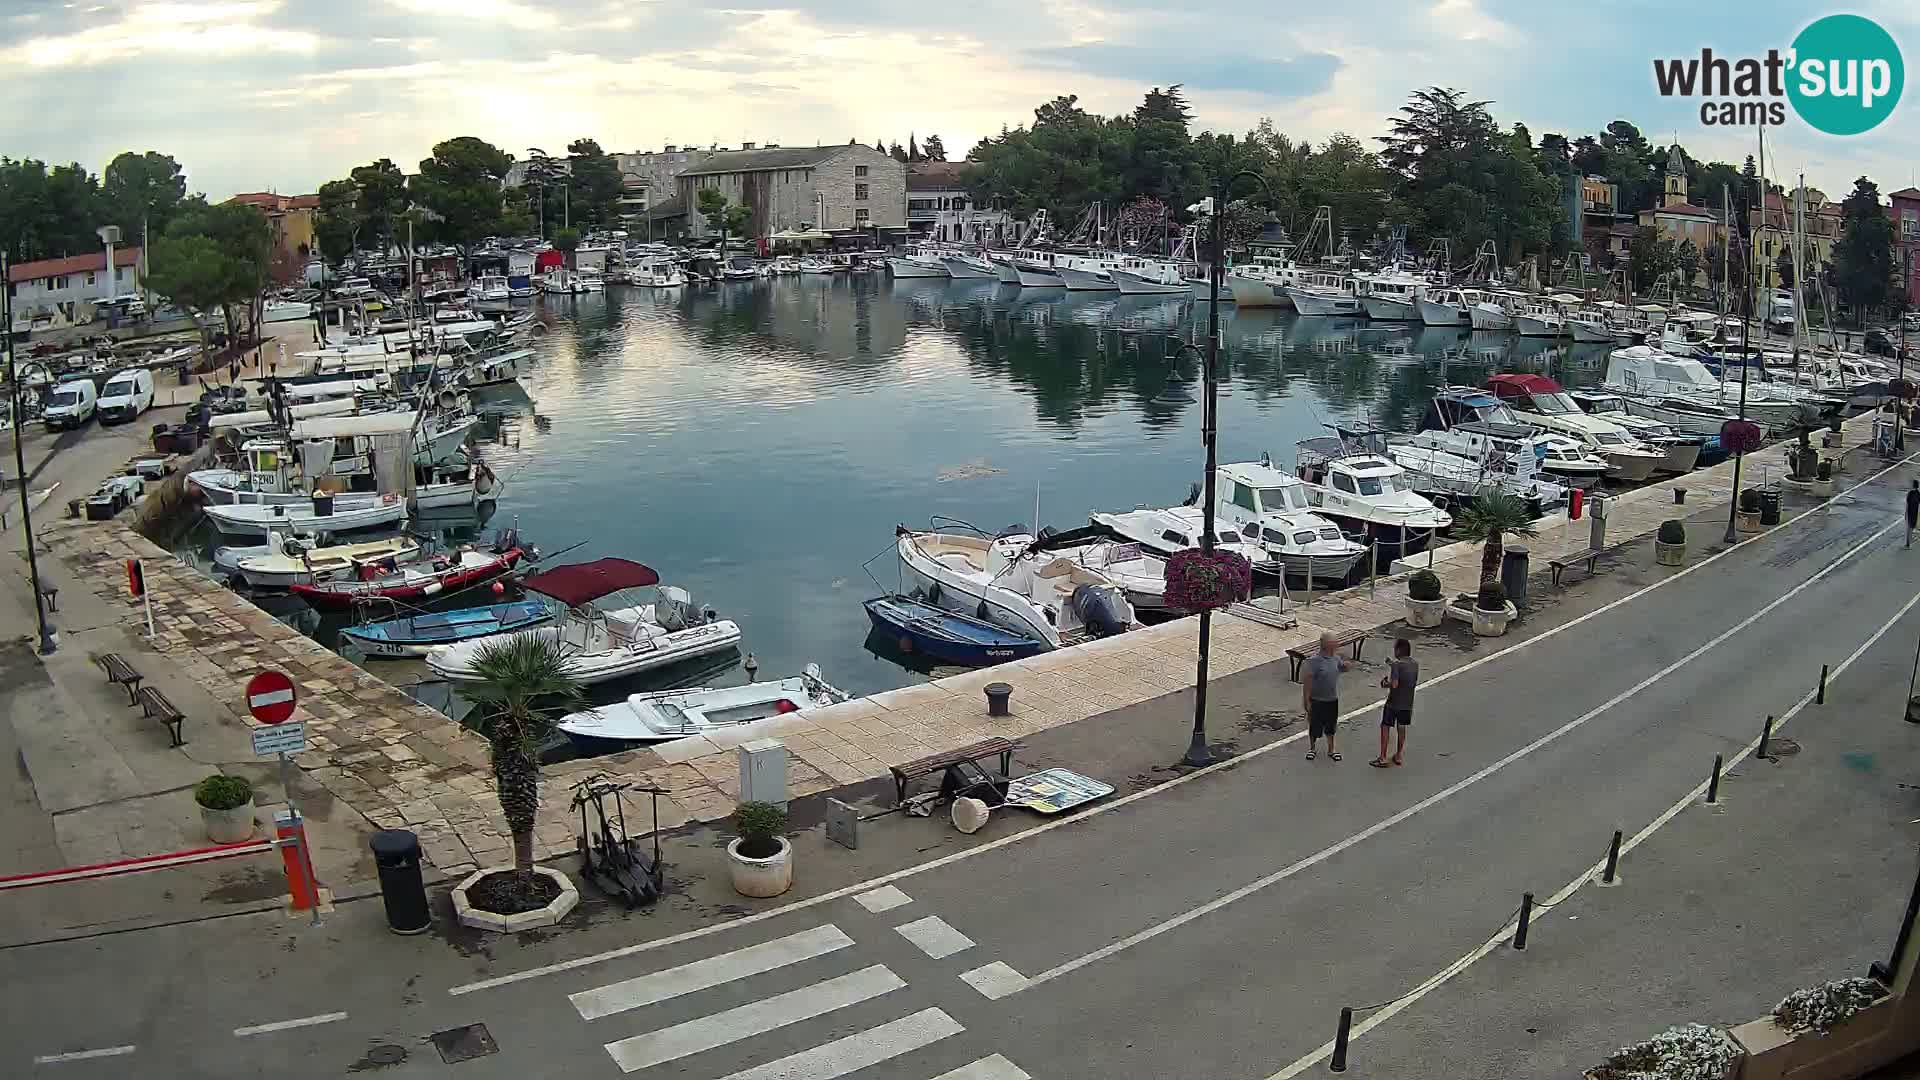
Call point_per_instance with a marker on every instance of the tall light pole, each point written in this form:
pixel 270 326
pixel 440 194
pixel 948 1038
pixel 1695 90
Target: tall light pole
pixel 1198 753
pixel 1746 359
pixel 47 643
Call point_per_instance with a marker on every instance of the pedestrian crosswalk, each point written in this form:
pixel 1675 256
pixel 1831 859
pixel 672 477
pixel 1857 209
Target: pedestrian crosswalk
pixel 913 1026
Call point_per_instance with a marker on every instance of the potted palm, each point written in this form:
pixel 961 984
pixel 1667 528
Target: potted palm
pixel 760 857
pixel 1425 605
pixel 226 807
pixel 1670 543
pixel 522 685
pixel 1491 612
pixel 1492 518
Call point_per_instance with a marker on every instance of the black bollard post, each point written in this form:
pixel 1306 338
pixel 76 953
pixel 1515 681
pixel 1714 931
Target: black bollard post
pixel 1526 916
pixel 1820 697
pixel 1713 785
pixel 1339 1062
pixel 1766 736
pixel 1613 859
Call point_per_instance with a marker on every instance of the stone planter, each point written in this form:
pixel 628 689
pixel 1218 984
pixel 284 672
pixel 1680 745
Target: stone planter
pixel 1492 623
pixel 1425 614
pixel 770 876
pixel 1669 554
pixel 1746 522
pixel 229 826
pixel 1849 1048
pixel 550 915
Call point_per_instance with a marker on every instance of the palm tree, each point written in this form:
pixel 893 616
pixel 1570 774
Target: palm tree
pixel 523 686
pixel 1492 517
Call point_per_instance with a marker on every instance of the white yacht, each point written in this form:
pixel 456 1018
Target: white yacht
pixel 1047 597
pixel 1471 459
pixel 1682 451
pixel 1175 529
pixel 1640 374
pixel 1271 510
pixel 1390 297
pixel 1447 306
pixel 1540 403
pixel 1350 479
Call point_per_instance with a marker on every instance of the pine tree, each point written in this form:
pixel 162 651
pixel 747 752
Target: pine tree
pixel 933 149
pixel 913 148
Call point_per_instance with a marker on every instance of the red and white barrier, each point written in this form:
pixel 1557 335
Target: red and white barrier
pixel 140 863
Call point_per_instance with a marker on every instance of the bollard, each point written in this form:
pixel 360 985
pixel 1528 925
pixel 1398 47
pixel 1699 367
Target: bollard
pixel 1679 496
pixel 1339 1062
pixel 998 694
pixel 1526 916
pixel 1766 736
pixel 1713 785
pixel 291 829
pixel 1820 696
pixel 1613 860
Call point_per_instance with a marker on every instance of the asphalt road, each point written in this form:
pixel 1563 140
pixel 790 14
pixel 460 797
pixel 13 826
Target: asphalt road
pixel 1213 927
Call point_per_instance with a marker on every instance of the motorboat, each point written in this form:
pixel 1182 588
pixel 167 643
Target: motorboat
pixel 1142 573
pixel 1565 460
pixel 1171 530
pixel 920 261
pixel 739 268
pixel 812 265
pixel 1539 402
pixel 1642 374
pixel 559 282
pixel 1035 270
pixel 1447 307
pixel 1003 268
pixel 965 267
pixel 1325 292
pixel 452 485
pixel 1541 316
pixel 916 626
pixel 1151 277
pixel 661 272
pixel 664 715
pixel 1463 462
pixel 286 311
pixel 1494 310
pixel 1390 297
pixel 420 581
pixel 1682 451
pixel 1270 509
pixel 489 287
pixel 289 562
pixel 606 643
pixel 1088 273
pixel 415 635
pixel 320 516
pixel 1350 479
pixel 1042 595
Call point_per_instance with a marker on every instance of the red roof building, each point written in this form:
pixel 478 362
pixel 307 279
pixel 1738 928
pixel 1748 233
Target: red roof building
pixel 91 263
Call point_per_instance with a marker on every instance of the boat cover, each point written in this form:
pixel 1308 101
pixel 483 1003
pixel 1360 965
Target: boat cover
pixel 578 584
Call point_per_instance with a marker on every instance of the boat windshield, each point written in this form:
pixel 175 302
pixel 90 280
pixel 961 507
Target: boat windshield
pixel 1609 438
pixel 1555 404
pixel 1369 485
pixel 1283 498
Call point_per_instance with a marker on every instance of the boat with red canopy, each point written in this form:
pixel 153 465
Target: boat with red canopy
pixel 608 642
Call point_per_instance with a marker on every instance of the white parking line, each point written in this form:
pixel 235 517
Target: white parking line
pixel 284 1025
pixel 709 972
pixel 993 1067
pixel 754 1018
pixel 1145 793
pixel 885 898
pixel 995 981
pixel 935 936
pixel 870 1047
pixel 82 1055
pixel 1699 792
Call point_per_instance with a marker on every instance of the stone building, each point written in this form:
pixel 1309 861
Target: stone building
pixel 650 179
pixel 839 189
pixel 1905 208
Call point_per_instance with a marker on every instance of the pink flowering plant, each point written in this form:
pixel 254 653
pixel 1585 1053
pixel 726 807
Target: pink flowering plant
pixel 1201 580
pixel 1740 436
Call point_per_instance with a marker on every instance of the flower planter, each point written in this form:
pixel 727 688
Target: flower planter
pixel 1425 614
pixel 229 826
pixel 770 876
pixel 1846 1049
pixel 1688 1052
pixel 1669 554
pixel 1746 522
pixel 1484 623
pixel 550 915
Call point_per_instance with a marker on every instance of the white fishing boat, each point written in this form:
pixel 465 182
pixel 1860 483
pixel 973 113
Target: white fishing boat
pixel 489 288
pixel 1271 509
pixel 1035 270
pixel 1045 596
pixel 1542 316
pixel 664 715
pixel 1494 311
pixel 1325 292
pixel 603 644
pixel 965 267
pixel 297 564
pixel 1448 306
pixel 1350 480
pixel 1088 273
pixel 1153 277
pixel 559 282
pixel 1263 281
pixel 1390 297
pixel 920 261
pixel 661 272
pixel 316 516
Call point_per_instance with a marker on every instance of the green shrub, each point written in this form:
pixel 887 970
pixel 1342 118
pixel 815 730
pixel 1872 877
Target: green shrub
pixel 1750 501
pixel 1424 585
pixel 223 792
pixel 1492 597
pixel 1672 532
pixel 759 825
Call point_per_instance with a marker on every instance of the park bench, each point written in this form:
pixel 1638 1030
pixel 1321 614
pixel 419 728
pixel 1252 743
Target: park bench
pixel 1356 638
pixel 1561 565
pixel 121 673
pixel 955 765
pixel 157 707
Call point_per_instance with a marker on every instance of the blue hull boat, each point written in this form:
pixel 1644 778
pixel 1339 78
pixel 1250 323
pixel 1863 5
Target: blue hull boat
pixel 413 635
pixel 919 627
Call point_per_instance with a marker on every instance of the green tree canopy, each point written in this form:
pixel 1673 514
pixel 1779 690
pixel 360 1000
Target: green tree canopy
pixel 567 240
pixel 933 149
pixel 337 221
pixel 49 213
pixel 594 184
pixel 143 189
pixel 381 196
pixel 1863 256
pixel 460 185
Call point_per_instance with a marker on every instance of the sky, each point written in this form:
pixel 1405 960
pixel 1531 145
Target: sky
pixel 285 94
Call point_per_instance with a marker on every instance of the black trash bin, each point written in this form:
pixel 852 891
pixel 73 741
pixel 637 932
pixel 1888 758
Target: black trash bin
pixel 322 504
pixel 397 854
pixel 1769 507
pixel 1513 574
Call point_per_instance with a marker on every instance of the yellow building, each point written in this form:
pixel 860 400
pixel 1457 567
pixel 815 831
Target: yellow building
pixel 1773 234
pixel 1675 218
pixel 290 217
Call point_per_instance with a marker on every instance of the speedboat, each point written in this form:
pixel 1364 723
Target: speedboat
pixel 1568 462
pixel 1270 509
pixel 417 582
pixel 1465 461
pixel 1139 571
pixel 664 715
pixel 1539 402
pixel 1042 595
pixel 916 626
pixel 608 643
pixel 1350 479
pixel 416 635
pixel 1173 529
pixel 1682 451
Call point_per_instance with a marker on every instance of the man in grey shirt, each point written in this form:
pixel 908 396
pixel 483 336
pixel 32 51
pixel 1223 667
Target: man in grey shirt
pixel 1320 694
pixel 1397 712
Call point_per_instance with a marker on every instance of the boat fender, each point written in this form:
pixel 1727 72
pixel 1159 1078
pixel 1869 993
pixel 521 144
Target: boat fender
pixel 1100 608
pixel 933 593
pixel 484 482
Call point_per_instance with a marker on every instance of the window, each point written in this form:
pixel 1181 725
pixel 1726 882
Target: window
pixel 57 283
pixel 860 192
pixel 1251 531
pixel 860 216
pixel 859 170
pixel 90 277
pixel 1303 537
pixel 1283 498
pixel 1331 533
pixel 1370 485
pixel 1910 224
pixel 1343 482
pixel 1243 498
pixel 1172 537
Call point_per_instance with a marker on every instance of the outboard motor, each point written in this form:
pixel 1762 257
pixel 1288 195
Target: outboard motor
pixel 675 610
pixel 1101 609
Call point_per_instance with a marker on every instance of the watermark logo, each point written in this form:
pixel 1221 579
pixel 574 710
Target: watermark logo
pixel 1843 75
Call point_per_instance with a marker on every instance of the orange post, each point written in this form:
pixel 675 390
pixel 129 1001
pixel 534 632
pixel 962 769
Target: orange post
pixel 291 829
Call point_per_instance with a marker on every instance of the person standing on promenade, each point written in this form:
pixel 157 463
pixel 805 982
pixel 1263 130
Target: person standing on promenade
pixel 1913 510
pixel 1320 695
pixel 1403 674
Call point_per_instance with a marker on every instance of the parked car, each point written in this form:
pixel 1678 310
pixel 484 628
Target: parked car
pixel 126 395
pixel 1878 342
pixel 71 405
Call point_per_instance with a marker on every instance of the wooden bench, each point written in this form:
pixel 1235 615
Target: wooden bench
pixel 953 763
pixel 121 673
pixel 1560 566
pixel 1356 638
pixel 157 707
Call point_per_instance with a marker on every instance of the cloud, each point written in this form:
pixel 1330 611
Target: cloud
pixel 206 29
pixel 506 12
pixel 1286 78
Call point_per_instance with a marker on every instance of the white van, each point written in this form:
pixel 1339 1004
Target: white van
pixel 126 395
pixel 71 405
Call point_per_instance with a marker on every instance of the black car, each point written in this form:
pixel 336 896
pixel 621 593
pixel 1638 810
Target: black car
pixel 1878 342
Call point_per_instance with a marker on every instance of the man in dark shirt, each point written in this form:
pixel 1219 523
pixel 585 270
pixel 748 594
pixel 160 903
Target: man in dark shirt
pixel 1397 712
pixel 1913 510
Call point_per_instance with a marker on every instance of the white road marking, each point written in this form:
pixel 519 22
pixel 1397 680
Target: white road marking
pixel 885 898
pixel 855 1052
pixel 934 936
pixel 82 1055
pixel 709 972
pixel 1129 799
pixel 1592 873
pixel 1445 793
pixel 283 1025
pixel 987 1068
pixel 995 981
pixel 754 1018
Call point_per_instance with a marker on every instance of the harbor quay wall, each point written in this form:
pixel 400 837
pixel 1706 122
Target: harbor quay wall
pixel 400 764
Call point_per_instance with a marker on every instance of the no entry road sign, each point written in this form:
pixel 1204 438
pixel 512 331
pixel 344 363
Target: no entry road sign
pixel 270 697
